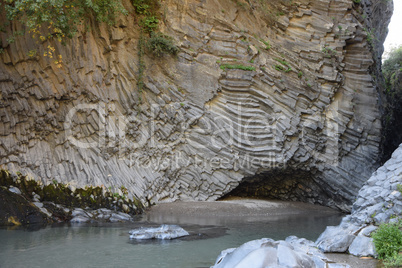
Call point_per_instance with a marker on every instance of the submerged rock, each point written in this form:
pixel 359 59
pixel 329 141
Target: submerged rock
pixel 100 215
pixel 265 252
pixel 163 232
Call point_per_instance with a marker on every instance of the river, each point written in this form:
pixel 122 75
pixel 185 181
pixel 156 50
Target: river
pixel 108 245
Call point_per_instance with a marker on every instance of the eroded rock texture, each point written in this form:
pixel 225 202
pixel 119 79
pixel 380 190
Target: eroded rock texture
pixel 306 106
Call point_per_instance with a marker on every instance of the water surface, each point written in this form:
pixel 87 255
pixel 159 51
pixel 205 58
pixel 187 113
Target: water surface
pixel 108 245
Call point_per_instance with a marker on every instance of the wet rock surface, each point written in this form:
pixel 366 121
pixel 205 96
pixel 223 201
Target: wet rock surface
pixel 16 210
pixel 164 232
pixel 379 201
pixel 265 252
pixel 100 215
pixel 25 202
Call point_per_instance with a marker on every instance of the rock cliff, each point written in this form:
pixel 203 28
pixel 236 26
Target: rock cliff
pixel 379 201
pixel 281 105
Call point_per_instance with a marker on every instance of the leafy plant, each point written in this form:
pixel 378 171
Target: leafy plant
pixel 283 62
pixel 267 44
pixel 157 42
pixel 395 261
pixel 161 44
pixel 284 67
pixel 279 67
pixel 388 240
pixel 399 187
pixel 124 190
pixel 149 24
pixel 60 17
pixel 370 36
pixel 141 7
pixel 392 63
pixel 300 74
pixel 10 39
pixel 329 52
pixel 32 53
pixel 391 70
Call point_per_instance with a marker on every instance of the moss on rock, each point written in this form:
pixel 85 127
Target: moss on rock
pixel 59 193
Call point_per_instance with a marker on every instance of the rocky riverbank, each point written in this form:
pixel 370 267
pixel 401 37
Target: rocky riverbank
pixel 379 201
pixel 24 201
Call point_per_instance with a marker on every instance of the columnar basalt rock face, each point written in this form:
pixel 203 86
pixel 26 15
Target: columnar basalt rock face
pixel 241 98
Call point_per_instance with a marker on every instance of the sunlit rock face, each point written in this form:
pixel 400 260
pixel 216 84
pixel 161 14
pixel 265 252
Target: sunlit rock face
pixel 293 101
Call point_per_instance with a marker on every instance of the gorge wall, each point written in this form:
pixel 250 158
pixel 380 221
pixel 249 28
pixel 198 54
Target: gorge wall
pixel 286 106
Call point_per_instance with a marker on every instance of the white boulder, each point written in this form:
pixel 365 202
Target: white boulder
pixel 163 232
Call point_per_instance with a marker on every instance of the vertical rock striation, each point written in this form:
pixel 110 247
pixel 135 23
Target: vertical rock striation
pixel 287 109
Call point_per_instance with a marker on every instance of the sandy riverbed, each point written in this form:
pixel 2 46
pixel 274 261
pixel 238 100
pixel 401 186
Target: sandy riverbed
pixel 216 213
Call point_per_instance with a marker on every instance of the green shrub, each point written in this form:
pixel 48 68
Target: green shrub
pixel 388 240
pixel 393 62
pixel 300 74
pixel 60 17
pixel 149 23
pixel 370 36
pixel 57 19
pixel 161 44
pixel 399 187
pixel 146 7
pixel 392 125
pixel 395 261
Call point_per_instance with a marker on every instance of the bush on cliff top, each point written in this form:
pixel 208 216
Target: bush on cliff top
pixel 60 18
pixel 393 63
pixel 392 118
